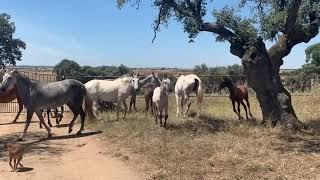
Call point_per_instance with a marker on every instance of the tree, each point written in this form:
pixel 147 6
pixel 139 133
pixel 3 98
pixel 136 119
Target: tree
pixel 201 69
pixel 285 22
pixel 122 69
pixel 313 54
pixel 10 47
pixel 68 68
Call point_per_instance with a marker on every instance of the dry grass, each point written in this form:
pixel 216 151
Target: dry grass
pixel 217 145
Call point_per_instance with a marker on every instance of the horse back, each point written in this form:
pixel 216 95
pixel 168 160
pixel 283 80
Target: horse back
pixel 241 92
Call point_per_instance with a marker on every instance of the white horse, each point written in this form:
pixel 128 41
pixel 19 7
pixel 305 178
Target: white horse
pixel 185 85
pixel 111 91
pixel 160 101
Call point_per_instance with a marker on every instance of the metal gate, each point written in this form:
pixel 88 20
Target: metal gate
pixel 13 107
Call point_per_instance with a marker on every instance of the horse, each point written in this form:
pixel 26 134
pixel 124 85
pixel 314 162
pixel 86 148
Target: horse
pixel 238 93
pixel 160 101
pixel 37 96
pixel 109 90
pixel 185 85
pixel 151 82
pixel 9 96
pixel 56 115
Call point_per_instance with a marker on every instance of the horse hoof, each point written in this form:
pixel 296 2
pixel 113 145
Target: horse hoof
pixel 49 136
pixel 19 139
pixel 79 133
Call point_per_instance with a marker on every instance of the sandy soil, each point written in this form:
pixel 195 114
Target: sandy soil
pixel 62 157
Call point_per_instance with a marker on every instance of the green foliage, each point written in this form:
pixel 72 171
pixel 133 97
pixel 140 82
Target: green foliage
pixel 71 69
pixel 267 18
pixel 242 27
pixel 203 69
pixel 10 47
pixel 67 68
pixel 313 54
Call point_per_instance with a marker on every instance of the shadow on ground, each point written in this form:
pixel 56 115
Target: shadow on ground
pixel 36 143
pixel 306 141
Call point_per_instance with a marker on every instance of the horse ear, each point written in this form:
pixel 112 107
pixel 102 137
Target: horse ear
pixel 153 73
pixel 138 74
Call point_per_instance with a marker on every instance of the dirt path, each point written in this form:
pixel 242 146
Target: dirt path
pixel 63 157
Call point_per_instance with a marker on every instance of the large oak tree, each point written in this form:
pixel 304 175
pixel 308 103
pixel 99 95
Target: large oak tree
pixel 10 47
pixel 284 22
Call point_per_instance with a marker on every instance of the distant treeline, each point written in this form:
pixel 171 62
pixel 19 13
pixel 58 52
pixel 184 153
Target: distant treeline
pixel 71 69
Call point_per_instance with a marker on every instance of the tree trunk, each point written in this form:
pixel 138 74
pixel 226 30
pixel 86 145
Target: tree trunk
pixel 264 78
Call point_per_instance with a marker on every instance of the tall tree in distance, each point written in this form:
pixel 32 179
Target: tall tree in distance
pixel 10 47
pixel 313 54
pixel 284 22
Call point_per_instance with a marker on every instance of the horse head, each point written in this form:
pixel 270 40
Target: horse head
pixel 166 84
pixel 227 82
pixel 135 81
pixel 8 80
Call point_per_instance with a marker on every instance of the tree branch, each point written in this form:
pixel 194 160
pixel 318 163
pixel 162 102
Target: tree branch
pixel 157 24
pixel 292 16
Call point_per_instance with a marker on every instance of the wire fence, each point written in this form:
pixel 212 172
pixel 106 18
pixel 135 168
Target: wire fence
pixel 211 86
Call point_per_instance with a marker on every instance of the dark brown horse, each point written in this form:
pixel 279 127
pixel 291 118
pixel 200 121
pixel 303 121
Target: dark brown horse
pixel 9 96
pixel 238 93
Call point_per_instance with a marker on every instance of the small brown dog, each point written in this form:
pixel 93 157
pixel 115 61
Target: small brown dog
pixel 15 152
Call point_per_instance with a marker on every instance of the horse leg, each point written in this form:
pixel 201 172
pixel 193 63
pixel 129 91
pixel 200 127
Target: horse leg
pixel 83 116
pixel 165 116
pixel 240 117
pixel 42 121
pixel 188 102
pixel 19 112
pixel 234 107
pixel 155 111
pixel 124 101
pixel 245 108
pixel 160 117
pixel 48 114
pixel 151 105
pixel 62 111
pixel 177 103
pixel 56 112
pixel 182 105
pixel 27 123
pixel 75 115
pixel 247 100
pixel 146 100
pixel 118 108
pixel 131 102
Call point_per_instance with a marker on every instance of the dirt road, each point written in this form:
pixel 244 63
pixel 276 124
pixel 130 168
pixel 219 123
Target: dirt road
pixel 63 157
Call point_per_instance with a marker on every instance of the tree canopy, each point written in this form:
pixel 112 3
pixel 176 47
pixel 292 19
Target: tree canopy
pixel 313 54
pixel 71 69
pixel 288 22
pixel 10 47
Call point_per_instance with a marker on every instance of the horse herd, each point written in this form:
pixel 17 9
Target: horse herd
pixel 83 99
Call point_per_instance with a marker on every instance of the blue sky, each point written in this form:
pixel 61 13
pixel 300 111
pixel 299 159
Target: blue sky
pixel 97 33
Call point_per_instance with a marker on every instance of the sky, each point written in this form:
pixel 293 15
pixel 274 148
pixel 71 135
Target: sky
pixel 98 33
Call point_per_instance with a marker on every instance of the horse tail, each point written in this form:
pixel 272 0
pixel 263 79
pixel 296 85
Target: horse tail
pixel 199 91
pixel 88 105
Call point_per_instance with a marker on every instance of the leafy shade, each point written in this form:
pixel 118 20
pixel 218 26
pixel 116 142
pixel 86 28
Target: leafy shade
pixel 10 47
pixel 313 54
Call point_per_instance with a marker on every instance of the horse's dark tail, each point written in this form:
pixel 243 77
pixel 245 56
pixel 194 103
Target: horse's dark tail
pixel 198 90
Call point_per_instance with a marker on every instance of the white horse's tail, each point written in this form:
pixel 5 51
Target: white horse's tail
pixel 199 92
pixel 88 105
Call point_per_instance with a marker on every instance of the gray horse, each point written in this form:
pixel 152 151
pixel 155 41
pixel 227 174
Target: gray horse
pixel 37 96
